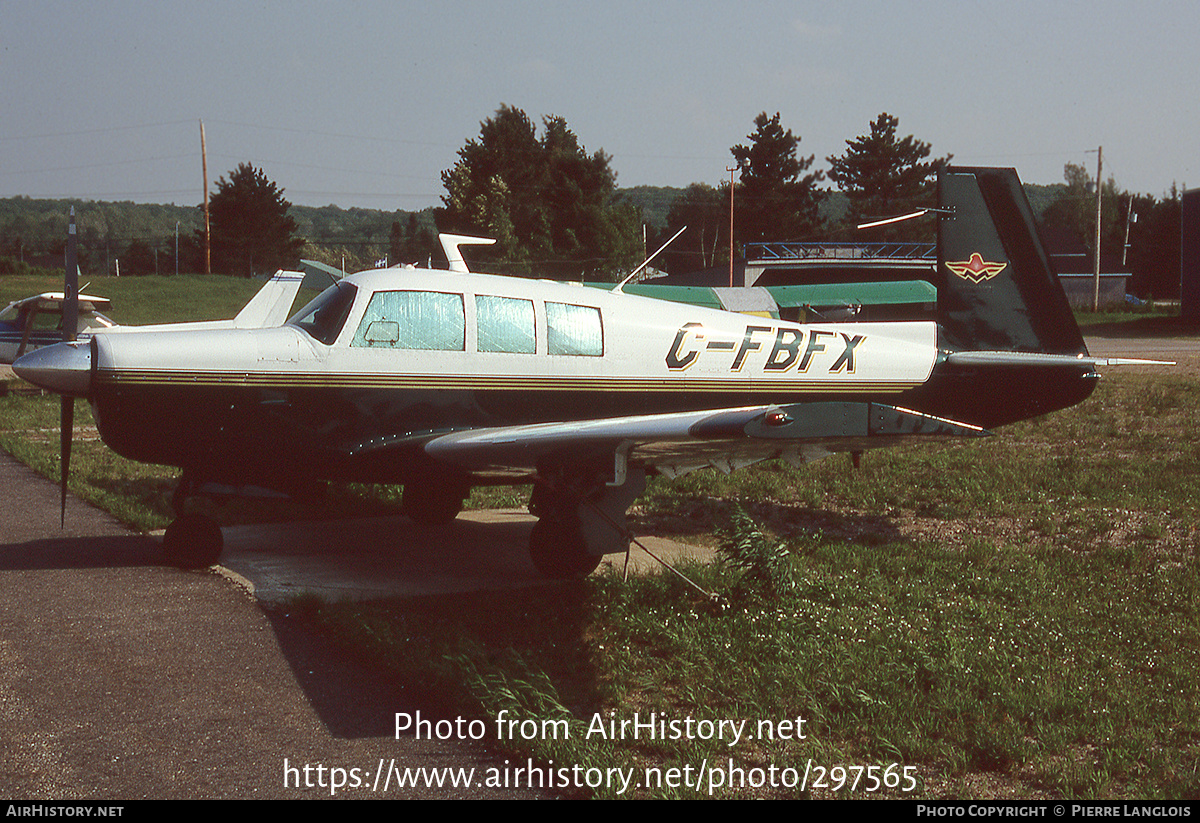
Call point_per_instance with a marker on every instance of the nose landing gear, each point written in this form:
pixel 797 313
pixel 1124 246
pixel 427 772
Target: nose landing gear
pixel 192 540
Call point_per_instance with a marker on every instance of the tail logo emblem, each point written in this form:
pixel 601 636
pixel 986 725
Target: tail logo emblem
pixel 976 269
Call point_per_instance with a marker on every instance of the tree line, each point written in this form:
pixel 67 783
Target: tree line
pixel 555 208
pixel 140 238
pixel 556 211
pixel 553 205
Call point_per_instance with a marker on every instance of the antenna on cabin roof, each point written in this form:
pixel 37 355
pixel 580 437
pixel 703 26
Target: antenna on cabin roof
pixel 909 216
pixel 450 244
pixel 621 285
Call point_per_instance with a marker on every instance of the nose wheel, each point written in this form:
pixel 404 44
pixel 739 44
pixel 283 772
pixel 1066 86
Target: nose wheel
pixel 193 541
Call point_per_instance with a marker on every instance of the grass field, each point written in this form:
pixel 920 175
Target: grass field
pixel 156 299
pixel 1012 618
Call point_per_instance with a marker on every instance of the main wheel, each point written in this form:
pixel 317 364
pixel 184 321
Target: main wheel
pixel 559 551
pixel 193 541
pixel 434 506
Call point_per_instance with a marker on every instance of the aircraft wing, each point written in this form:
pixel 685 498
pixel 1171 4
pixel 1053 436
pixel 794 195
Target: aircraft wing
pixel 52 302
pixel 676 443
pixel 267 309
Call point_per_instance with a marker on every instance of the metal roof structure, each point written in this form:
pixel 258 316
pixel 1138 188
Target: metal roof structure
pixel 924 253
pixel 792 263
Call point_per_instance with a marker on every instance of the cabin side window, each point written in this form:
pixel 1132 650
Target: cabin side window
pixel 433 321
pixel 574 330
pixel 504 324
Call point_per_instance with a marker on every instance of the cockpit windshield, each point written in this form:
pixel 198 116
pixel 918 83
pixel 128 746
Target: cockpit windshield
pixel 324 317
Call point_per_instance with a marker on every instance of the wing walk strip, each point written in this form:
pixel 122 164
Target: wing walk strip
pixel 489 382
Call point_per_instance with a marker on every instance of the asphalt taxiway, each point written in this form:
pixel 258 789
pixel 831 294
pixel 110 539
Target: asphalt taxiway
pixel 121 678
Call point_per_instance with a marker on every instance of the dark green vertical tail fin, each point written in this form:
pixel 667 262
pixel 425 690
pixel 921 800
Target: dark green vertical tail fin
pixel 996 288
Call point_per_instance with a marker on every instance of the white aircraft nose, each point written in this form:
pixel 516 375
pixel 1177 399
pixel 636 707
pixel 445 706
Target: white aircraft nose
pixel 64 368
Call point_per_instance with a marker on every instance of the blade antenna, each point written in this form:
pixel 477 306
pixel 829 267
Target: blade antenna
pixel 66 427
pixel 918 213
pixel 646 262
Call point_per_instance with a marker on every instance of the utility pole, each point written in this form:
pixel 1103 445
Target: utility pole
pixel 207 235
pixel 1130 219
pixel 731 171
pixel 1099 188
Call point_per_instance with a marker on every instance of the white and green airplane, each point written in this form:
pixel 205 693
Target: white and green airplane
pixel 445 379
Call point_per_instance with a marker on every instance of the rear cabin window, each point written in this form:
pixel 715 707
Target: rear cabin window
pixel 505 324
pixel 574 330
pixel 433 321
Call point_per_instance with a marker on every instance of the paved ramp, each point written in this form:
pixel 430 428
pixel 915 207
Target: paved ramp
pixel 124 679
pixel 392 557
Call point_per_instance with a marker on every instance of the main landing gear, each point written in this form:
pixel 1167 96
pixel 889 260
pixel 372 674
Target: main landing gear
pixel 580 519
pixel 192 540
pixel 433 502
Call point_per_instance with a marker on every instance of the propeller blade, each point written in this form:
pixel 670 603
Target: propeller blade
pixel 71 283
pixel 66 428
pixel 66 432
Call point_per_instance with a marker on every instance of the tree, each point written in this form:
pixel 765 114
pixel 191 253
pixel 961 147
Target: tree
pixel 542 198
pixel 777 199
pixel 419 241
pixel 395 243
pixel 1073 209
pixel 138 258
pixel 705 244
pixel 883 176
pixel 1155 245
pixel 1073 212
pixel 251 229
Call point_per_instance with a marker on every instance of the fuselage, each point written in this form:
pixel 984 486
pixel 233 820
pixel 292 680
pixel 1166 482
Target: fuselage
pixel 405 353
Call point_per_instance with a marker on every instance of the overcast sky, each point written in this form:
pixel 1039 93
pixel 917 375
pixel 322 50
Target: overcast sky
pixel 366 103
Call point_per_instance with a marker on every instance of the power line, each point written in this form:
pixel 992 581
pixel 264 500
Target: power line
pixel 93 131
pixel 313 132
pixel 99 165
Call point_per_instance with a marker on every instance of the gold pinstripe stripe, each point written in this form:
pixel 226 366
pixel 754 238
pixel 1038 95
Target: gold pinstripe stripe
pixel 491 382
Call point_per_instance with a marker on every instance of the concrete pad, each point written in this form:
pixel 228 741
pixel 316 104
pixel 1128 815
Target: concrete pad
pixel 379 557
pixel 1152 348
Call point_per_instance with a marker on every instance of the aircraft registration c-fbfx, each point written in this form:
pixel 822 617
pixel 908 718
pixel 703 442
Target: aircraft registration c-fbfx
pixel 441 380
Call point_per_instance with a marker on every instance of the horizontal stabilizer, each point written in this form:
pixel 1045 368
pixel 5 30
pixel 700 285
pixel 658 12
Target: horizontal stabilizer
pixel 1020 358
